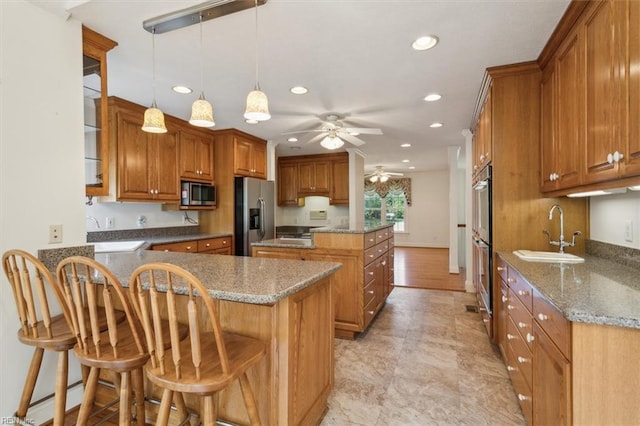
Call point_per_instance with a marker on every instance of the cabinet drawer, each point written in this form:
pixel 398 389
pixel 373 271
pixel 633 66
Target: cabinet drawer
pixel 521 318
pixel 370 255
pixel 369 273
pixel 557 327
pixel 502 268
pixel 185 247
pixel 523 392
pixel 214 243
pixel 382 234
pixel 369 293
pixel 522 357
pixel 521 288
pixel 369 311
pixel 369 239
pixel 381 248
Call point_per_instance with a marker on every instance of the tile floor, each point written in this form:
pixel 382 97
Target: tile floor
pixel 423 361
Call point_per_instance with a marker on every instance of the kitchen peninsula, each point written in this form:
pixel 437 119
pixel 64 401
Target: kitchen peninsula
pixel 265 299
pixel 367 275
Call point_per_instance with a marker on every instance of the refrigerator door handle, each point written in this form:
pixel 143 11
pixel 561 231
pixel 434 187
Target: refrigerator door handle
pixel 262 207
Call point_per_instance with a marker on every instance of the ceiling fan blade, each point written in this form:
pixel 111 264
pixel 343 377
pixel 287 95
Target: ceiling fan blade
pixel 393 174
pixel 316 138
pixel 363 131
pixel 352 139
pixel 302 131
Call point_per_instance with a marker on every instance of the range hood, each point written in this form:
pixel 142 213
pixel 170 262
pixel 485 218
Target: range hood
pixel 191 15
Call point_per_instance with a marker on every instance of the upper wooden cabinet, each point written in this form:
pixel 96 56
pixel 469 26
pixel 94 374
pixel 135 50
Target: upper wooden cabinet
pixel 96 133
pixel 590 101
pixel 482 138
pixel 250 157
pixel 324 175
pixel 146 163
pixel 196 155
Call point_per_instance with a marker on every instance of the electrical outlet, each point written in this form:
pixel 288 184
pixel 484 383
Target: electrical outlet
pixel 110 222
pixel 55 234
pixel 628 230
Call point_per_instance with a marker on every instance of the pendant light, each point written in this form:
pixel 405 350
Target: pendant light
pixel 201 110
pixel 257 102
pixel 153 117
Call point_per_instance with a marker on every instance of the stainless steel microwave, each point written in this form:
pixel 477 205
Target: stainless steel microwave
pixel 198 194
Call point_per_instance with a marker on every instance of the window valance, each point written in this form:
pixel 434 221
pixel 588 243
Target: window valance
pixel 393 184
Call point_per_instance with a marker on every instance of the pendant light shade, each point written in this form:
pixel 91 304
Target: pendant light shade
pixel 257 102
pixel 257 106
pixel 153 117
pixel 331 142
pixel 201 110
pixel 154 120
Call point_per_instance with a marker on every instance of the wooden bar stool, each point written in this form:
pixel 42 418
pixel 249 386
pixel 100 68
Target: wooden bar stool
pixel 29 280
pixel 91 291
pixel 208 360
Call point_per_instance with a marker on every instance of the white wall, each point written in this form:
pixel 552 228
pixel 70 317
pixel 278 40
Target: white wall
pixel 428 220
pixel 608 215
pixel 41 161
pixel 336 215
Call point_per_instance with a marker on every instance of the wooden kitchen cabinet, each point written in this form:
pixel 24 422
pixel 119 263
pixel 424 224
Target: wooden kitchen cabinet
pixel 287 184
pixel 482 136
pixel 250 157
pixel 219 245
pixel 339 194
pixel 96 116
pixel 631 163
pixel 147 163
pixel 196 155
pixel 314 177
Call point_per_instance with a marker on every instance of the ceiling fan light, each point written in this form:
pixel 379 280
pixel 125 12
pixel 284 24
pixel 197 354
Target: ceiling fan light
pixel 257 106
pixel 384 178
pixel 154 120
pixel 331 142
pixel 202 113
pixel 374 178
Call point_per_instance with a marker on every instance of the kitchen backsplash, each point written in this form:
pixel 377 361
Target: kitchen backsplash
pixel 313 213
pixel 119 216
pixel 132 234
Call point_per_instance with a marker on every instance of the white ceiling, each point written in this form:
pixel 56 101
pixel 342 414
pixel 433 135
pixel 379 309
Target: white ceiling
pixel 354 56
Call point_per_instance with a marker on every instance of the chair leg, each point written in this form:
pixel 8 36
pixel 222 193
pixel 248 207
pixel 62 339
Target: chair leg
pixel 30 382
pixel 125 398
pixel 89 396
pixel 249 400
pixel 165 408
pixel 138 388
pixel 183 413
pixel 208 411
pixel 61 389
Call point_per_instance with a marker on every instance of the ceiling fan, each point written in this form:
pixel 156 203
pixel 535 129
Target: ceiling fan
pixel 333 131
pixel 380 175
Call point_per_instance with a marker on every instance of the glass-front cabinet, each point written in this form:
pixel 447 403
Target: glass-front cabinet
pixel 96 142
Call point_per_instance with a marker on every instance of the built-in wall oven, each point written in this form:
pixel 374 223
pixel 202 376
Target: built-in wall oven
pixel 482 250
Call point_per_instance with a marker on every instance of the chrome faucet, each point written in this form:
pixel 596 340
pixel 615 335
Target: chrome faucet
pixel 561 242
pixel 94 220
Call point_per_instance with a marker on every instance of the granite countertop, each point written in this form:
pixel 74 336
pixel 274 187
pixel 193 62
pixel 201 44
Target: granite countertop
pixel 598 291
pixel 235 278
pixel 151 240
pixel 347 230
pixel 301 243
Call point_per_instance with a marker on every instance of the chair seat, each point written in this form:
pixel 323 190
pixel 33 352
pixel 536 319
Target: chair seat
pixel 242 352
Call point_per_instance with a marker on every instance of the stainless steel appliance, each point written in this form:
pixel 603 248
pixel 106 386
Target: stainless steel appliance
pixel 254 213
pixel 197 194
pixel 482 250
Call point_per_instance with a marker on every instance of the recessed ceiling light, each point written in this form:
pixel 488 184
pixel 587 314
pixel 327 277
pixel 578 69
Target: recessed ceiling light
pixel 435 125
pixel 181 89
pixel 405 145
pixel 412 167
pixel 405 161
pixel 299 90
pixel 292 140
pixel 432 97
pixel 424 43
pixel 250 121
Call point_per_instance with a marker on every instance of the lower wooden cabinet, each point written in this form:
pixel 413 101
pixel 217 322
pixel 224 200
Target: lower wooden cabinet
pixel 219 245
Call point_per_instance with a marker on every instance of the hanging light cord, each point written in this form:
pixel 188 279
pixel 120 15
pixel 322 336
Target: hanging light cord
pixel 153 63
pixel 256 46
pixel 201 62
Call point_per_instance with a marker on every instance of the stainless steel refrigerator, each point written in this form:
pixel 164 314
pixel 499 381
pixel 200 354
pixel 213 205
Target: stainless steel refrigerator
pixel 254 213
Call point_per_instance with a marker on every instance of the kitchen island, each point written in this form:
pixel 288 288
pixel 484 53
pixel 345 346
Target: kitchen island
pixel 570 335
pixel 367 275
pixel 288 304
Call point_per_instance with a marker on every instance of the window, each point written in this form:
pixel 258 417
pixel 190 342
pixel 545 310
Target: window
pixel 391 209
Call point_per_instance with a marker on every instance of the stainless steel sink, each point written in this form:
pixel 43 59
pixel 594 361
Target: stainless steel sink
pixel 547 256
pixel 116 246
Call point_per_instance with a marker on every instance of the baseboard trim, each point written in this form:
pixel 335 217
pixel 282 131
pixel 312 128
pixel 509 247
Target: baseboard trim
pixel 468 286
pixel 418 245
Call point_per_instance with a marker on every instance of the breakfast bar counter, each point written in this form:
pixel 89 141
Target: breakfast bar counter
pixel 286 303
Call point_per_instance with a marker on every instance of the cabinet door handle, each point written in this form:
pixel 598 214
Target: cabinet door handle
pixel 522 397
pixel 208 245
pixel 523 293
pixel 510 336
pixel 522 325
pixel 542 317
pixel 510 307
pixel 224 241
pixel 501 268
pixel 510 368
pixel 188 247
pixel 511 280
pixel 522 360
pixel 370 292
pixel 530 338
pixel 504 299
pixel 370 273
pixel 614 157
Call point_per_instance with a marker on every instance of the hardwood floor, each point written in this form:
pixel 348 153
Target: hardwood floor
pixel 427 268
